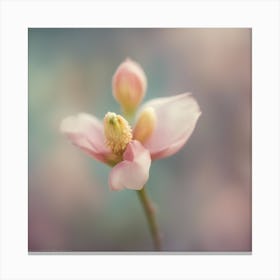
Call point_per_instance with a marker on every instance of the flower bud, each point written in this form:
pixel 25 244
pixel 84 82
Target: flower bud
pixel 129 85
pixel 145 125
pixel 117 132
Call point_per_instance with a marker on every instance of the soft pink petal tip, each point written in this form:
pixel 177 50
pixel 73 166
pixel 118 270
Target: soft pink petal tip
pixel 133 171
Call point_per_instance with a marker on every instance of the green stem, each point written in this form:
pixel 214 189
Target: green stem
pixel 150 214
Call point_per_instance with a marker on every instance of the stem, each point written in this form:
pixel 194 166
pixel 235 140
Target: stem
pixel 150 214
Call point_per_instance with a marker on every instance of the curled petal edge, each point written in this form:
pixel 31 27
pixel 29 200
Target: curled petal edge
pixel 133 172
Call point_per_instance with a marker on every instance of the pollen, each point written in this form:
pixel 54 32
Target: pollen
pixel 117 132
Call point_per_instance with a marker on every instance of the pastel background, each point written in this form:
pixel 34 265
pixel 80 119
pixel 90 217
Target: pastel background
pixel 202 193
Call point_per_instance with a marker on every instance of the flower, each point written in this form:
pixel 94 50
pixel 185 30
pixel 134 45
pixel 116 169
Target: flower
pixel 162 127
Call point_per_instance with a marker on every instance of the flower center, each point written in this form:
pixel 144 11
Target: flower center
pixel 117 132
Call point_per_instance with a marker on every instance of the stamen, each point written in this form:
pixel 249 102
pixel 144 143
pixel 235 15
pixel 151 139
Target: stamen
pixel 145 125
pixel 117 132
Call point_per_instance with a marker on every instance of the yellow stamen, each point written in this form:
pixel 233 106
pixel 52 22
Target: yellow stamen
pixel 117 132
pixel 145 125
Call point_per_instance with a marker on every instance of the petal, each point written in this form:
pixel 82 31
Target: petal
pixel 176 119
pixel 129 85
pixel 86 132
pixel 133 171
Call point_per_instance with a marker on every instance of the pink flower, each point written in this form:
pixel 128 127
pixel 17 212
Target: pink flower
pixel 162 127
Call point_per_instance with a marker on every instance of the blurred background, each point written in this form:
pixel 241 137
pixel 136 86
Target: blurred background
pixel 202 193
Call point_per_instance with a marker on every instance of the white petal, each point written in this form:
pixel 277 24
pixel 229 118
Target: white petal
pixel 176 119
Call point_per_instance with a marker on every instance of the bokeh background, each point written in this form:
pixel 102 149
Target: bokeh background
pixel 203 193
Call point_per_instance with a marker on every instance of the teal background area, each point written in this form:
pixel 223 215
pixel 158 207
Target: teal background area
pixel 202 193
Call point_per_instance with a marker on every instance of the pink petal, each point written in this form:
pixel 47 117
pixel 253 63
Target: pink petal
pixel 133 171
pixel 176 120
pixel 86 132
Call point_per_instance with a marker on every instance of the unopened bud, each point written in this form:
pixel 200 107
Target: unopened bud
pixel 117 132
pixel 129 85
pixel 145 125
